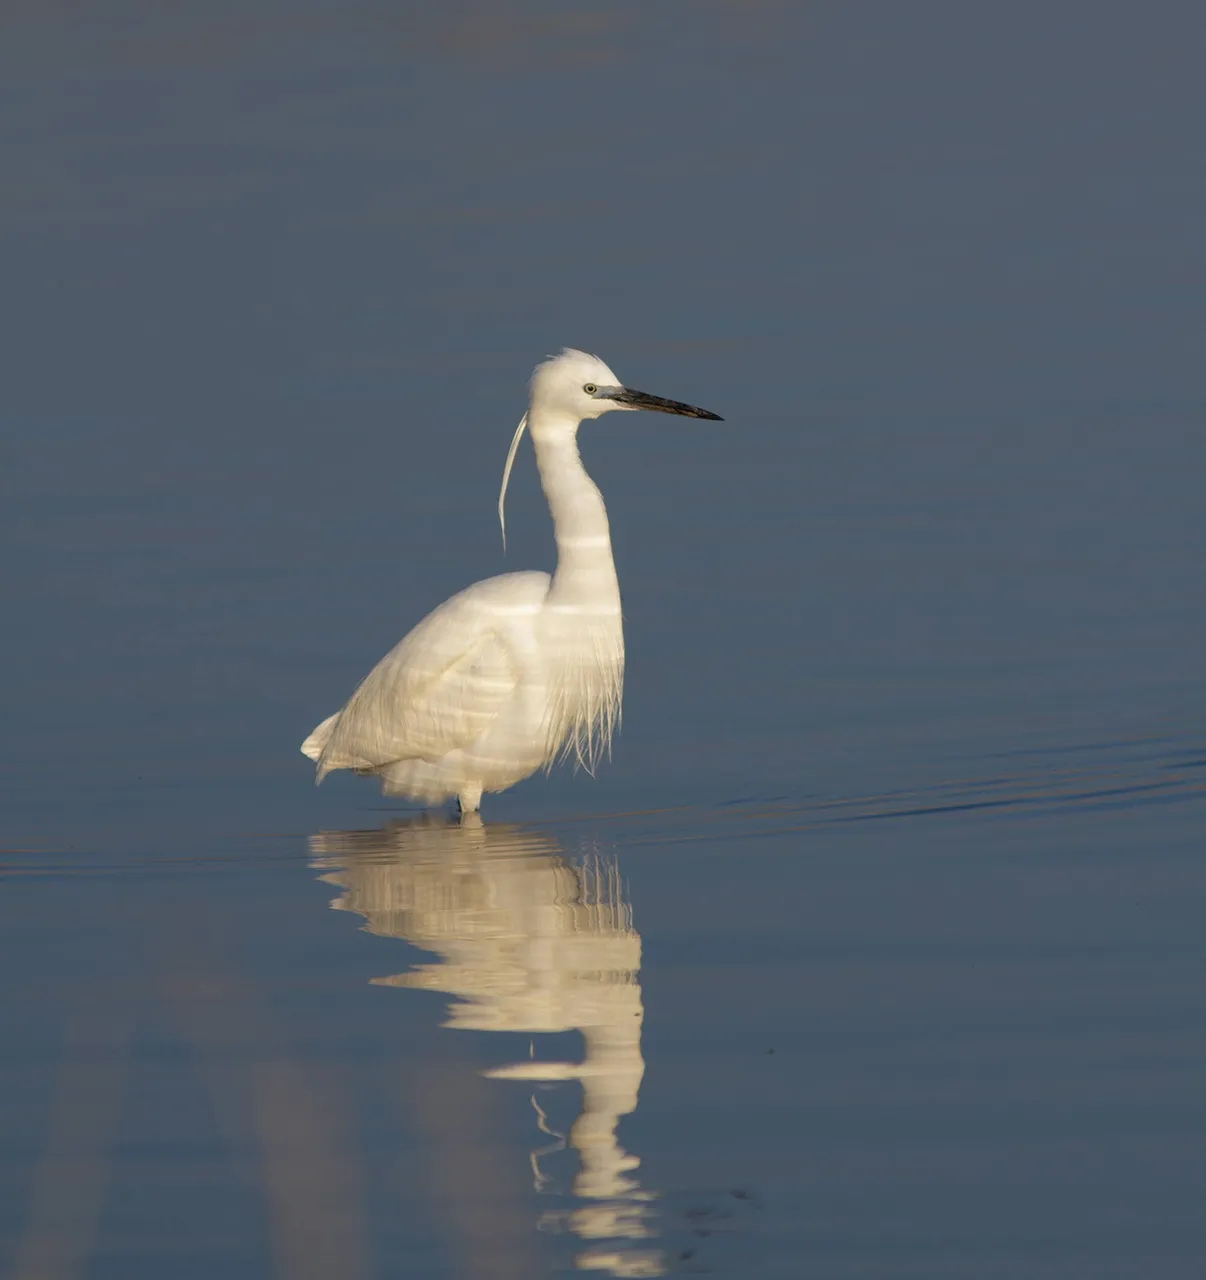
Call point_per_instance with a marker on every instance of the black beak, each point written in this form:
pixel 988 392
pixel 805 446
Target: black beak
pixel 643 400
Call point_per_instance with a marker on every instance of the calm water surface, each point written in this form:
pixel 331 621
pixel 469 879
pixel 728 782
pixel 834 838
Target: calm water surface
pixel 877 949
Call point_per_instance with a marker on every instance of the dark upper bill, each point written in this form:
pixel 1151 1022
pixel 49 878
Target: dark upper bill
pixel 631 399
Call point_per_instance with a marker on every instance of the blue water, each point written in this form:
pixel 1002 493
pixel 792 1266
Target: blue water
pixel 876 948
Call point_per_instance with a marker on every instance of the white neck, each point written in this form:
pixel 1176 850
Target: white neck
pixel 586 572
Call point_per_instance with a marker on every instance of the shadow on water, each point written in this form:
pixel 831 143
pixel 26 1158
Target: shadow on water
pixel 530 941
pixel 229 1044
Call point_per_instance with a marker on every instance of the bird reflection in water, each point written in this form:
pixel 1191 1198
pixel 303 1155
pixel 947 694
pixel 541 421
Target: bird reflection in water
pixel 528 941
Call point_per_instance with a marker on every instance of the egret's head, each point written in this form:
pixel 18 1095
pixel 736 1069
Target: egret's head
pixel 580 386
pixel 573 386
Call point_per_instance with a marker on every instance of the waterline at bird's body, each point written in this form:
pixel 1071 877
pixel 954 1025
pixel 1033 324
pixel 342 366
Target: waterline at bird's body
pixel 516 671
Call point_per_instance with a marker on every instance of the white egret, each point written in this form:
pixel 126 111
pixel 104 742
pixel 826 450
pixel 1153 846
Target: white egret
pixel 517 671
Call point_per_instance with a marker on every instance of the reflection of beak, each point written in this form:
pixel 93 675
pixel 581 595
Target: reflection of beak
pixel 643 400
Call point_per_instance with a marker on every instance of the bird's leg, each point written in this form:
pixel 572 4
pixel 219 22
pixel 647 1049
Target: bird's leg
pixel 469 800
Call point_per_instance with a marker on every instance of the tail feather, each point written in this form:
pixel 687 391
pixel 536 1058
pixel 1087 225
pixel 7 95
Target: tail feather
pixel 314 744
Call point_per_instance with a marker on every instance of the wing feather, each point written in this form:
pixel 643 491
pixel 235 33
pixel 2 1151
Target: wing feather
pixel 442 685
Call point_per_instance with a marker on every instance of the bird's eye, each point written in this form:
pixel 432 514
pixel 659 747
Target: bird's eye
pixel 590 388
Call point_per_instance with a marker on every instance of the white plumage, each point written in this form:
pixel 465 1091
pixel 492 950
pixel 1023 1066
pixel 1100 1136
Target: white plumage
pixel 512 672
